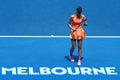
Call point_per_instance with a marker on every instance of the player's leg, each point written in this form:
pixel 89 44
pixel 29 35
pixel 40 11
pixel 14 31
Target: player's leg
pixel 79 51
pixel 73 42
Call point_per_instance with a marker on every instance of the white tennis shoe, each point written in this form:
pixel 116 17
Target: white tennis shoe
pixel 79 63
pixel 71 59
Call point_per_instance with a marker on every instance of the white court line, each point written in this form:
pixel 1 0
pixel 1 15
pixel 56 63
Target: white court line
pixel 57 36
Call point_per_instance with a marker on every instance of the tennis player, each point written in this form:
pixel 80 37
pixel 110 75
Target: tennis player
pixel 77 33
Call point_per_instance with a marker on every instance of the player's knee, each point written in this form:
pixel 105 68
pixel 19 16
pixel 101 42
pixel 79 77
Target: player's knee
pixel 79 47
pixel 73 47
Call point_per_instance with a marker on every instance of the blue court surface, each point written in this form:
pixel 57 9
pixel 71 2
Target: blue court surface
pixel 47 59
pixel 34 42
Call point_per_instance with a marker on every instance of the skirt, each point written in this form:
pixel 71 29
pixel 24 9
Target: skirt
pixel 78 34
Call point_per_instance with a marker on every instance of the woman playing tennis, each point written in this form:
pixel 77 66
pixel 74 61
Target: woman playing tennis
pixel 77 33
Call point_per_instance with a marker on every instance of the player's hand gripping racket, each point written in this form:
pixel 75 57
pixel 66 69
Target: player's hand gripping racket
pixel 82 23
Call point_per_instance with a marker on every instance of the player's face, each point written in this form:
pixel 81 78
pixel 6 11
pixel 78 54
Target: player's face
pixel 78 13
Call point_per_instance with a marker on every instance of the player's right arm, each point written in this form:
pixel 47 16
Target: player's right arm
pixel 70 21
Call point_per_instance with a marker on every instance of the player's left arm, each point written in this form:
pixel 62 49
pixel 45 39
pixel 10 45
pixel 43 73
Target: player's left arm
pixel 85 23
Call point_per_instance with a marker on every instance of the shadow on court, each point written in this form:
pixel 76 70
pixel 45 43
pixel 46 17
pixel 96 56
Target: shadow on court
pixel 75 57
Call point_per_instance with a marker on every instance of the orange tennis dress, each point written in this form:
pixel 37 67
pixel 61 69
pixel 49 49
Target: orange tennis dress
pixel 79 33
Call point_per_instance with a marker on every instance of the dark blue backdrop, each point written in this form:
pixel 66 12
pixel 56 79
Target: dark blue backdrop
pixel 47 17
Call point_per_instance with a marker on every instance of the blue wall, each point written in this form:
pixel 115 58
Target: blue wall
pixel 46 17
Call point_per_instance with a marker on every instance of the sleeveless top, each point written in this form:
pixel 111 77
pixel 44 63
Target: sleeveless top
pixel 79 33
